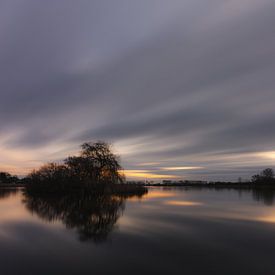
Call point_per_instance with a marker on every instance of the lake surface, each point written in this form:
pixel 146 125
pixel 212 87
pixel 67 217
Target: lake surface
pixel 167 231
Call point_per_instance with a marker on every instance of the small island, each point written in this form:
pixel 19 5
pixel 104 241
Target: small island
pixel 97 169
pixel 86 193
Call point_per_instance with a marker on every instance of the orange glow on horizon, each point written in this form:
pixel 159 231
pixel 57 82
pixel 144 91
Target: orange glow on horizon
pixel 147 174
pixel 21 161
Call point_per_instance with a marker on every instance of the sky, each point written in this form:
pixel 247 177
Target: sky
pixel 183 89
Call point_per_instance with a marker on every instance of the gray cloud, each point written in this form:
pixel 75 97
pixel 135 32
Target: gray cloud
pixel 177 80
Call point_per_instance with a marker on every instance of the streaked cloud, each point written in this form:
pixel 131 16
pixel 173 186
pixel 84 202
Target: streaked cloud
pixel 269 155
pixel 175 83
pixel 179 168
pixel 148 164
pixel 147 174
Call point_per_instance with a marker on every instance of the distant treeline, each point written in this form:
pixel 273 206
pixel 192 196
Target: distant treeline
pixel 7 178
pixel 265 178
pixel 98 167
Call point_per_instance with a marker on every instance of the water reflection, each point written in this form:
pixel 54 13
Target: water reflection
pixel 7 192
pixel 176 231
pixel 267 196
pixel 92 215
pixel 183 203
pixel 264 195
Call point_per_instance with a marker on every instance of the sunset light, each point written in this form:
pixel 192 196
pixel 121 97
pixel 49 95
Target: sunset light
pixel 147 174
pixel 137 137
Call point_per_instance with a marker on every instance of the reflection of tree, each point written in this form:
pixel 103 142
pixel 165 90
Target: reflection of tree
pixel 92 215
pixel 267 195
pixel 6 192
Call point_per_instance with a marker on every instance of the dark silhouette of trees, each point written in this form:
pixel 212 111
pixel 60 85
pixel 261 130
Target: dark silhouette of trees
pixel 96 165
pixel 50 177
pixel 8 178
pixel 265 177
pixel 268 173
pixel 49 172
pixel 96 162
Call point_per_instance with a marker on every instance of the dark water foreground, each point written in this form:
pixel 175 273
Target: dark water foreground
pixel 167 231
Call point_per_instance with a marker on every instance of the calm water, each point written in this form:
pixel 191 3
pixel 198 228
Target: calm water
pixel 167 231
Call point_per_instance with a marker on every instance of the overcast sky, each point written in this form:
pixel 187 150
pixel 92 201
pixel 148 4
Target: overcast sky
pixel 182 88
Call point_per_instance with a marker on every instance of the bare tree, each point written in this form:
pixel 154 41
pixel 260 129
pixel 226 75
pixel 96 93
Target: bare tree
pixel 96 162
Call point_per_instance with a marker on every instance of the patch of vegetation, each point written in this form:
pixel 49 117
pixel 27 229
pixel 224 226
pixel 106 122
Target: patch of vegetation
pixel 96 169
pixel 266 177
pixel 6 178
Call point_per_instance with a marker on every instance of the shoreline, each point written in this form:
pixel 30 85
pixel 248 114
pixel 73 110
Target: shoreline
pixel 128 188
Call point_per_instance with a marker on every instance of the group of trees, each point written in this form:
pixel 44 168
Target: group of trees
pixel 95 164
pixel 265 177
pixel 81 192
pixel 8 178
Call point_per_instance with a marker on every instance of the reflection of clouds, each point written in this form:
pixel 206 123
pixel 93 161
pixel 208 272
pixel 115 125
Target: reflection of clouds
pixel 157 194
pixel 268 219
pixel 148 227
pixel 179 210
pixel 11 210
pixel 183 203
